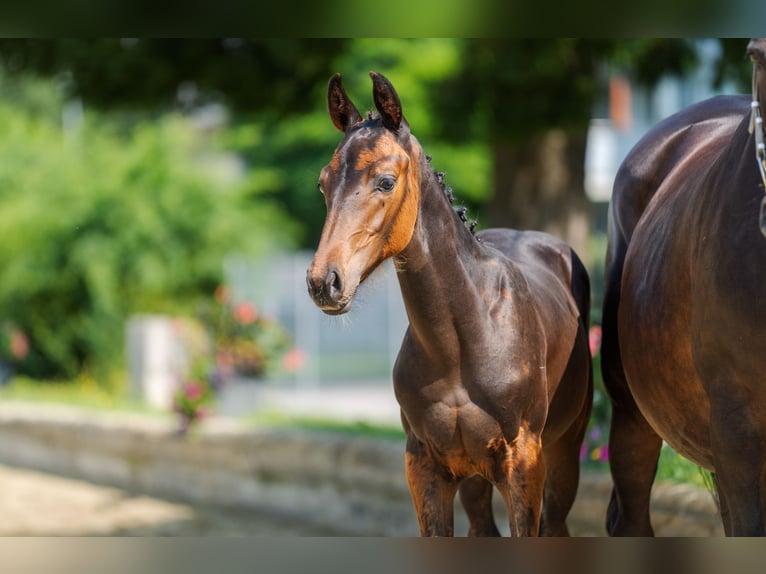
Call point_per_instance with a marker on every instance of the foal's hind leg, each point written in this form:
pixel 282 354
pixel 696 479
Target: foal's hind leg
pixel 562 457
pixel 476 497
pixel 562 461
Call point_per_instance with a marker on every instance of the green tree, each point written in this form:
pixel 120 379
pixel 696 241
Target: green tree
pixel 104 219
pixel 532 100
pixel 154 74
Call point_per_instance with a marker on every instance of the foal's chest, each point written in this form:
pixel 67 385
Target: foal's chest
pixel 465 439
pixel 467 436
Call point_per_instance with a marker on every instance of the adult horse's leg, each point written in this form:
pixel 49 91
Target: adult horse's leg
pixel 634 447
pixel 476 497
pixel 523 484
pixel 562 461
pixel 722 507
pixel 432 489
pixel 738 455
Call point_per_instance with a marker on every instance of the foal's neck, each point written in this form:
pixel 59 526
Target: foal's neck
pixel 440 271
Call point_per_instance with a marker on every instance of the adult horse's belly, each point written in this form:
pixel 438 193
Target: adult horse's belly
pixel 655 330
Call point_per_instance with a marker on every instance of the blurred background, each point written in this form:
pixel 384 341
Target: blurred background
pixel 159 205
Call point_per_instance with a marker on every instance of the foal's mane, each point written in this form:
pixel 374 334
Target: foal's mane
pixel 461 210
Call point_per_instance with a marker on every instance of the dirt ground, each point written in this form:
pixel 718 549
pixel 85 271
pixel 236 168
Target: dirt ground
pixel 37 504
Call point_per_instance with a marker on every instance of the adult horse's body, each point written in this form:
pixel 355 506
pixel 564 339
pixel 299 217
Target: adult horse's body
pixel 684 352
pixel 493 376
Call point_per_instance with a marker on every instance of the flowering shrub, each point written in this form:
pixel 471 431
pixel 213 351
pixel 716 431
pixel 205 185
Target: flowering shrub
pixel 191 401
pixel 595 448
pixel 245 341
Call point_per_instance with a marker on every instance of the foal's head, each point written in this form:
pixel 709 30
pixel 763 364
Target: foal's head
pixel 371 191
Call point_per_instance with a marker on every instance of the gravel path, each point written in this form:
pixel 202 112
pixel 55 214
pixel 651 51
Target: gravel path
pixel 37 504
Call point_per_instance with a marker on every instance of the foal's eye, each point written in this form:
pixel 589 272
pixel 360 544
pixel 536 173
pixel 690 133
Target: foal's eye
pixel 385 183
pixel 319 187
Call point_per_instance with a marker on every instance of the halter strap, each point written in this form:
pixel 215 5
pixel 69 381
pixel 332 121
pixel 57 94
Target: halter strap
pixel 756 128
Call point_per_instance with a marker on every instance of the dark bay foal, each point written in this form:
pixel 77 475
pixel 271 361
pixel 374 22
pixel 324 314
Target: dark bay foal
pixel 494 374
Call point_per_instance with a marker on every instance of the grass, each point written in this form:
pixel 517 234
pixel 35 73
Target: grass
pixel 673 467
pixel 350 428
pixel 82 392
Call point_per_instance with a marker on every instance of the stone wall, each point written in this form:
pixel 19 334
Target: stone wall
pixel 349 485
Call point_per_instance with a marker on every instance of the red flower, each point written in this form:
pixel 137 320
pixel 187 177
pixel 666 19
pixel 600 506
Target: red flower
pixel 245 313
pixel 294 359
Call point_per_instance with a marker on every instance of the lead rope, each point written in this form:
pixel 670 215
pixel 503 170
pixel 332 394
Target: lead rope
pixel 756 128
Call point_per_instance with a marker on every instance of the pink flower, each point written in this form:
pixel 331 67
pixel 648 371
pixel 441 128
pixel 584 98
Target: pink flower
pixel 294 360
pixel 245 313
pixel 19 345
pixel 193 390
pixel 594 339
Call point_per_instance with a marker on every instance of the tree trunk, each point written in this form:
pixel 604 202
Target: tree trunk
pixel 539 184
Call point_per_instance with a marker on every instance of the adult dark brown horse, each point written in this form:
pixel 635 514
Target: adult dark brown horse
pixel 493 376
pixel 684 353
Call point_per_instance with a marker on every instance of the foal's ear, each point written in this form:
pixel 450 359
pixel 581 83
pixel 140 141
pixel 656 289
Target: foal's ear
pixel 386 101
pixel 342 111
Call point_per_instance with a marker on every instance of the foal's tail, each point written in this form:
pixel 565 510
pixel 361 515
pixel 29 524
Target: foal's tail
pixel 581 289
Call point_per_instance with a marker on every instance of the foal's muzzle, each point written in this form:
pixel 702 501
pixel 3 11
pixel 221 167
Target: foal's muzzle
pixel 327 291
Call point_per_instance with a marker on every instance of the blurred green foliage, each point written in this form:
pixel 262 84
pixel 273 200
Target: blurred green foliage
pixel 109 217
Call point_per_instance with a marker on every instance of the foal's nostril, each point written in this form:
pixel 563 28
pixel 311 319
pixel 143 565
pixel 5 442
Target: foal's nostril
pixel 325 291
pixel 333 285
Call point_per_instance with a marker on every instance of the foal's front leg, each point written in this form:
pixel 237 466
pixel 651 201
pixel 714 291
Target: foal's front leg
pixel 521 470
pixel 432 488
